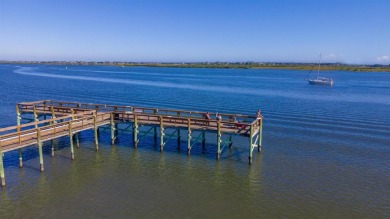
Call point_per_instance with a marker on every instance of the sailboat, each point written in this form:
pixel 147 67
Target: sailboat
pixel 318 79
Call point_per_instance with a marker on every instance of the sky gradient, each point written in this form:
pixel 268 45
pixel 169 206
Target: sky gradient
pixel 348 31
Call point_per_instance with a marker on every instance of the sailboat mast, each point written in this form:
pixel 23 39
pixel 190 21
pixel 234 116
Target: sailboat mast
pixel 319 63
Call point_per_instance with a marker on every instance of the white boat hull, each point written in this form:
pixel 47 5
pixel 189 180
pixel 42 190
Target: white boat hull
pixel 322 81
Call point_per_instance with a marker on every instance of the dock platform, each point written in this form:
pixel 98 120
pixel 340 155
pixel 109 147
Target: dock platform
pixel 47 120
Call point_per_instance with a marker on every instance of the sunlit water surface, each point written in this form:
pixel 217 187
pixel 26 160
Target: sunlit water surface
pixel 326 150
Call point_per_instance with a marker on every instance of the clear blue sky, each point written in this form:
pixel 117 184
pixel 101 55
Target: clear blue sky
pixel 349 31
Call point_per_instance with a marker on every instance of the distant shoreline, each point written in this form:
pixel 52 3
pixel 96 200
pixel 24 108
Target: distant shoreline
pixel 224 65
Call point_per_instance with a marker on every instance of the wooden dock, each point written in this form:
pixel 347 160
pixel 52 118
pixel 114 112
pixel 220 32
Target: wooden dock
pixel 48 120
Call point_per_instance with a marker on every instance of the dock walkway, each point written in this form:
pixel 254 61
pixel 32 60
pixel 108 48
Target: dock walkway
pixel 49 120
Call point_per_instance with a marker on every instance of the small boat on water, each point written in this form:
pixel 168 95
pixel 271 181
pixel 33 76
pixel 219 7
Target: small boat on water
pixel 318 79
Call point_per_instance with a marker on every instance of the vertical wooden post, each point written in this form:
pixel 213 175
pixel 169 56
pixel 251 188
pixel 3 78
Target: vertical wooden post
pixel 260 134
pixel 250 144
pixel 178 138
pixel 161 134
pixel 72 112
pixel 116 129
pixel 53 116
pixel 18 124
pixel 230 142
pixel 219 135
pixel 155 130
pixel 189 137
pixel 52 147
pixel 203 139
pixel 2 177
pixel 77 140
pixel 35 116
pixel 112 128
pixel 40 149
pixel 71 141
pixel 135 131
pixel 155 135
pixel 95 132
pixel 17 115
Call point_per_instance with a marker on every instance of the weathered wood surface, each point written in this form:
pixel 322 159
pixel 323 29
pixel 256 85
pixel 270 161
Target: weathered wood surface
pixel 18 139
pixel 79 117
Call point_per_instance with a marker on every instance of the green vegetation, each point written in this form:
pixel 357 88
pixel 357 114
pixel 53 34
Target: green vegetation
pixel 241 65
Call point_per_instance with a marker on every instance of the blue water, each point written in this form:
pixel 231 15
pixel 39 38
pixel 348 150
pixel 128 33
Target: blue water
pixel 326 150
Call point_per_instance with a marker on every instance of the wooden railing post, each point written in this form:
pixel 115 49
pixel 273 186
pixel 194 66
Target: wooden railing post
pixel 35 116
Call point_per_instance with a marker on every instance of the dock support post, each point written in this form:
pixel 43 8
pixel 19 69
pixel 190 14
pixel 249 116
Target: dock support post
pixel 178 138
pixel 189 137
pixel 20 158
pixel 18 118
pixel 40 149
pixel 2 169
pixel 112 129
pixel 135 131
pixel 219 135
pixel 161 134
pixel 203 141
pixel 95 132
pixel 53 116
pixel 18 124
pixel 155 135
pixel 35 116
pixel 71 141
pixel 52 147
pixel 77 140
pixel 260 134
pixel 230 142
pixel 250 144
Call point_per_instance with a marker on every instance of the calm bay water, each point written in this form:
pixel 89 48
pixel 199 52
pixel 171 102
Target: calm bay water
pixel 326 150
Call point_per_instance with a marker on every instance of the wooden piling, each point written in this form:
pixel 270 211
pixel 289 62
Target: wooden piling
pixel 155 135
pixel 95 132
pixel 260 134
pixel 203 139
pixel 18 118
pixel 189 137
pixel 35 116
pixel 2 176
pixel 219 135
pixel 161 134
pixel 178 138
pixel 77 140
pixel 53 116
pixel 39 142
pixel 71 141
pixel 52 147
pixel 250 144
pixel 112 125
pixel 230 142
pixel 135 131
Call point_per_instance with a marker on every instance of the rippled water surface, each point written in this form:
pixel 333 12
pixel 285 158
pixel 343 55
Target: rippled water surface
pixel 326 150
